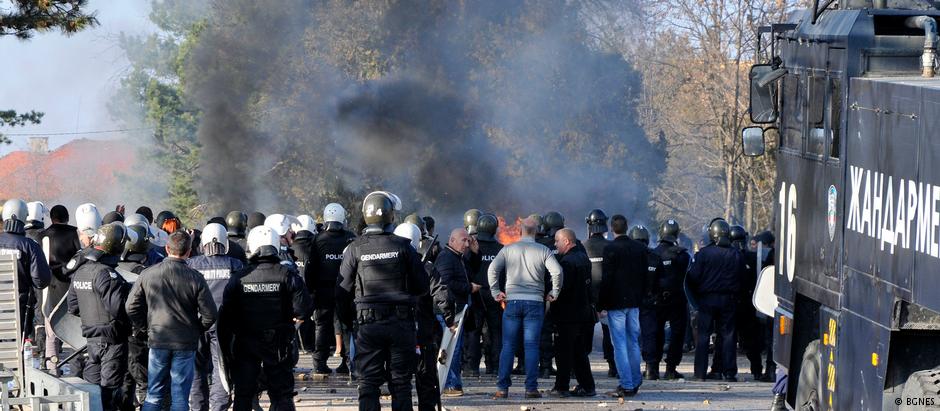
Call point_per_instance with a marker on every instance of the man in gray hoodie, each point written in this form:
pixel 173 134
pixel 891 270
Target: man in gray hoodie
pixel 525 265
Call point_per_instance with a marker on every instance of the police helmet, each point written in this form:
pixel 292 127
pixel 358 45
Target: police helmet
pixel 279 223
pixel 640 233
pixel 486 227
pixel 596 221
pixel 334 212
pixel 737 234
pixel 719 232
pixel 415 219
pixel 110 238
pixel 138 220
pixel 263 242
pixel 255 219
pixel 305 223
pixel 669 231
pixel 378 208
pixel 111 217
pixel 87 217
pixel 409 231
pixel 15 209
pixel 470 220
pixel 214 233
pixel 553 221
pixel 138 240
pixel 237 223
pixel 36 211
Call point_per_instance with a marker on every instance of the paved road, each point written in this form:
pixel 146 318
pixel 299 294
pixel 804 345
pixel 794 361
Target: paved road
pixel 338 394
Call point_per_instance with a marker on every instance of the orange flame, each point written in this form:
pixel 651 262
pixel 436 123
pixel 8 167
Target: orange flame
pixel 508 234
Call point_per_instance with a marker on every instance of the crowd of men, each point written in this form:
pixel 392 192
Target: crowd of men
pixel 207 319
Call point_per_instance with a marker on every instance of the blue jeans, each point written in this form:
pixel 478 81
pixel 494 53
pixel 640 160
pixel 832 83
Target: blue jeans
pixel 453 374
pixel 525 317
pixel 625 337
pixel 173 368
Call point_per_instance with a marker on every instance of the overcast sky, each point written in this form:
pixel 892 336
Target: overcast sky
pixel 70 79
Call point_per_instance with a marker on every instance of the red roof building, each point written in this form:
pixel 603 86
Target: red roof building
pixel 79 171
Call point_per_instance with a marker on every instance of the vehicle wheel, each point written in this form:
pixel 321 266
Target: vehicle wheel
pixel 921 391
pixel 808 390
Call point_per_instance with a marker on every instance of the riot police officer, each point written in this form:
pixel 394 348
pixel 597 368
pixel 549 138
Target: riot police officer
pixel 134 260
pixel 428 247
pixel 321 274
pixel 134 255
pixel 491 330
pixel 429 330
pixel 668 303
pixel 648 343
pixel 217 268
pixel 261 303
pixel 305 230
pixel 97 295
pixel 749 330
pixel 553 221
pixel 384 274
pixel 32 270
pixel 35 219
pixel 237 224
pixel 713 282
pixel 594 248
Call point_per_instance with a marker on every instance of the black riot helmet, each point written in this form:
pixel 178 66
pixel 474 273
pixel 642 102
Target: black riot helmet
pixel 470 220
pixel 541 227
pixel 237 223
pixel 110 238
pixel 719 232
pixel 669 231
pixel 415 219
pixel 139 242
pixel 553 222
pixel 596 221
pixel 486 227
pixel 378 208
pixel 255 219
pixel 640 233
pixel 738 236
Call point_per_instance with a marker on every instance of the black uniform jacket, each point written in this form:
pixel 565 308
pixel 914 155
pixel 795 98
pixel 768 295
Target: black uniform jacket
pixel 716 270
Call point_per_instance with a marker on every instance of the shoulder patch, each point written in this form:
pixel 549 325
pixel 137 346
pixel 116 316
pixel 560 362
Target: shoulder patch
pixel 71 264
pixel 113 274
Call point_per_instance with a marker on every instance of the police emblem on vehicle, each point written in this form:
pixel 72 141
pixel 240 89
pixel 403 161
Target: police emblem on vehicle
pixel 831 215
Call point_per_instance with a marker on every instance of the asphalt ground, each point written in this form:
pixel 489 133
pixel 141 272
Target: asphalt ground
pixel 338 393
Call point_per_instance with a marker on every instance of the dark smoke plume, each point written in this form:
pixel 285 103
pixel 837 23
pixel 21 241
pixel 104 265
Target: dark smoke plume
pixel 497 104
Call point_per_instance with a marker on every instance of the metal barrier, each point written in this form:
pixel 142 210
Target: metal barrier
pixel 34 387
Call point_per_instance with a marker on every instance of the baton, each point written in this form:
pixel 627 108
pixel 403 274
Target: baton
pixel 70 357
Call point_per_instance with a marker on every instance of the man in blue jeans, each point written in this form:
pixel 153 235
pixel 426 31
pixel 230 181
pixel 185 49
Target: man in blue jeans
pixel 625 281
pixel 171 304
pixel 525 265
